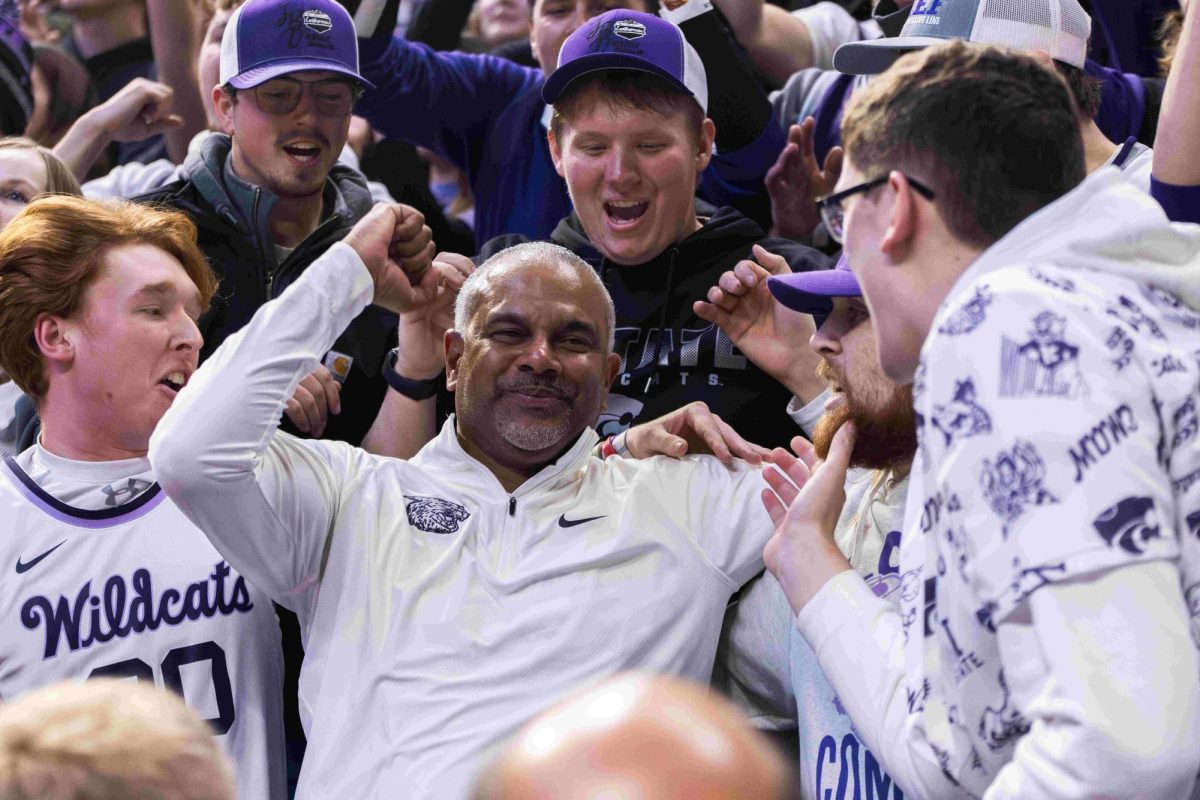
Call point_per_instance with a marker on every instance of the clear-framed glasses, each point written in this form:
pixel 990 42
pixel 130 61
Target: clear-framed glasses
pixel 333 97
pixel 830 205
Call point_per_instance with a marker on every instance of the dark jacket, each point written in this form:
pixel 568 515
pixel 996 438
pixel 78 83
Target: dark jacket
pixel 232 216
pixel 695 360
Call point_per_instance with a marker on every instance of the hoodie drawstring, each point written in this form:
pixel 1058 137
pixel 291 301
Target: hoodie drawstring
pixel 662 320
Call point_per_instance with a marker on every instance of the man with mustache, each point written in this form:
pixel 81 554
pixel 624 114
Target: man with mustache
pixel 447 599
pixel 771 668
pixel 269 196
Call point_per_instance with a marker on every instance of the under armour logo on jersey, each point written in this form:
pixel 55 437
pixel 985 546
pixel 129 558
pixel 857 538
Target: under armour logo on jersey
pixel 120 495
pixel 433 514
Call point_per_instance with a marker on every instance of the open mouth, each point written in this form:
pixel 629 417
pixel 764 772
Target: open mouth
pixel 174 381
pixel 302 152
pixel 625 212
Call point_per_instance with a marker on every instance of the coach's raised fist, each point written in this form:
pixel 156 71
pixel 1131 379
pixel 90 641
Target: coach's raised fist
pixel 397 248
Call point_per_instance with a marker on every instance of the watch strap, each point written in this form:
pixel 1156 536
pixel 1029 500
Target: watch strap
pixel 409 387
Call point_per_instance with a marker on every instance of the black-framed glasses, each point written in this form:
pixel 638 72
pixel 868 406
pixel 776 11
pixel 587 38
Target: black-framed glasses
pixel 333 97
pixel 830 205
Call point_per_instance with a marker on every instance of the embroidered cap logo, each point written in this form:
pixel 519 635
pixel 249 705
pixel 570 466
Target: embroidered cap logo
pixel 317 21
pixel 629 29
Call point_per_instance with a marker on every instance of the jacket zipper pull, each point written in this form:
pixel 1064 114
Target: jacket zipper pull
pixel 512 506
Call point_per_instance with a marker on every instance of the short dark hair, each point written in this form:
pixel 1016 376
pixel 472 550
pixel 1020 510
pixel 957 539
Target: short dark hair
pixel 626 88
pixel 1085 90
pixel 992 132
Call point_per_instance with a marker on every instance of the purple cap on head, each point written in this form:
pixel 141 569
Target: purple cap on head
pixel 268 38
pixel 623 39
pixel 810 292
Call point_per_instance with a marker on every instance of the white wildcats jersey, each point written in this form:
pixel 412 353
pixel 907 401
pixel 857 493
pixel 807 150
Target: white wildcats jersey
pixel 134 590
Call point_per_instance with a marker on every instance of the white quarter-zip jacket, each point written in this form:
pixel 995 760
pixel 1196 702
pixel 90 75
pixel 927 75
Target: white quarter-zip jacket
pixel 439 611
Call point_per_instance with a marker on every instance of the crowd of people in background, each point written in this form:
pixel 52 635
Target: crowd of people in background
pixel 599 398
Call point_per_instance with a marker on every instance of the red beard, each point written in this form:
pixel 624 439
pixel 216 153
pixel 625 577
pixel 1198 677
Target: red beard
pixel 887 436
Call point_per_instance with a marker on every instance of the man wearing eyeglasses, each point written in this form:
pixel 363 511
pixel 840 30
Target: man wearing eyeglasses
pixel 1049 323
pixel 269 195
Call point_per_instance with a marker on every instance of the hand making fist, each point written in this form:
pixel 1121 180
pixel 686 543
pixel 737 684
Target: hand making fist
pixel 396 247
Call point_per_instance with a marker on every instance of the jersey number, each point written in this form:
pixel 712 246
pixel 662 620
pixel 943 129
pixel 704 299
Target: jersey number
pixel 181 656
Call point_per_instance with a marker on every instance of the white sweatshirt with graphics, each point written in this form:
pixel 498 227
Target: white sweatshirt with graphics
pixel 1050 563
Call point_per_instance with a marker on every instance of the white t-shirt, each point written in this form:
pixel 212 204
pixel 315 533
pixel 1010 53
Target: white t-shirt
pixel 441 612
pixel 104 576
pixel 772 672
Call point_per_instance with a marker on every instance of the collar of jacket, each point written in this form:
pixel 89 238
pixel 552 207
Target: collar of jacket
pixel 445 455
pixel 210 170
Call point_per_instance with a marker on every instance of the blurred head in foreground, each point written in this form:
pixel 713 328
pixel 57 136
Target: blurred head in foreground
pixel 108 740
pixel 638 736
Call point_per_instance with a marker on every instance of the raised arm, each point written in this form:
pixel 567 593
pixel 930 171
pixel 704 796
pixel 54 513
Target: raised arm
pixel 173 39
pixel 1176 173
pixel 444 101
pixel 140 110
pixel 266 499
pixel 408 420
pixel 770 335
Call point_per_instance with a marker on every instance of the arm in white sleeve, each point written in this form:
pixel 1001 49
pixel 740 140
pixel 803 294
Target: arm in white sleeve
pixel 859 642
pixel 1114 689
pixel 809 414
pixel 829 26
pixel 1113 697
pixel 753 665
pixel 132 179
pixel 266 500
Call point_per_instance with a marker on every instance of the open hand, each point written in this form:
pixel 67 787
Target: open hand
pixel 772 336
pixel 805 502
pixel 796 180
pixel 691 429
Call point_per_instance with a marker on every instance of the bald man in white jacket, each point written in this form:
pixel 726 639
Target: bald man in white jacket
pixel 447 599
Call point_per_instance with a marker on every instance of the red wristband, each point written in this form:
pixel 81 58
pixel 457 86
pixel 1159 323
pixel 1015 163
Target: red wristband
pixel 607 449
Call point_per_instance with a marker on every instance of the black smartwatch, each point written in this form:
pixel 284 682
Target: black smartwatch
pixel 412 389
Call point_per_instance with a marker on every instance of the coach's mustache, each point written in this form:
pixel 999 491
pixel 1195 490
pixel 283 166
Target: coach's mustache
pixel 562 389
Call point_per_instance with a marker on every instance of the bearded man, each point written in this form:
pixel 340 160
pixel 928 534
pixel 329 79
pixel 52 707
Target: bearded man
pixel 770 669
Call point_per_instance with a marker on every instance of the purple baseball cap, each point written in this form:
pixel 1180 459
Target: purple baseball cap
pixel 268 38
pixel 624 39
pixel 809 292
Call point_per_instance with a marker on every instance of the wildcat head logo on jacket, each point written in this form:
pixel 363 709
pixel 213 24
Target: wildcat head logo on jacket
pixel 433 514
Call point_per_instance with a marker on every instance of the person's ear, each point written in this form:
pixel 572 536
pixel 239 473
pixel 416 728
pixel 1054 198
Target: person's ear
pixel 708 134
pixel 453 342
pixel 53 335
pixel 902 222
pixel 555 152
pixel 223 103
pixel 612 366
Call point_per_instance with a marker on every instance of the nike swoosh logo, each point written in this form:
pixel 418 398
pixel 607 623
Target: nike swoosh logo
pixel 31 564
pixel 563 522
